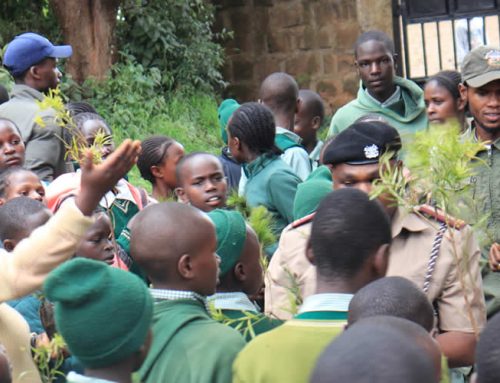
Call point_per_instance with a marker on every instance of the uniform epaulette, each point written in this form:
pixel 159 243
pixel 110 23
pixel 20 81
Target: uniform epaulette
pixel 303 220
pixel 440 216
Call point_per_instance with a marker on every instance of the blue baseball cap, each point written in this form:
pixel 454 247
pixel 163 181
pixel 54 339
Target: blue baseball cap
pixel 29 49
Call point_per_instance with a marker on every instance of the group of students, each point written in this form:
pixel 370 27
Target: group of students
pixel 142 288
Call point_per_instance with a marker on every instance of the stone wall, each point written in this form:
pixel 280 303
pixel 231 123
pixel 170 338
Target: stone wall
pixel 309 39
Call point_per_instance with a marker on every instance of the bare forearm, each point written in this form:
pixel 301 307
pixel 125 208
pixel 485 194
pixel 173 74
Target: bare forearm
pixel 458 347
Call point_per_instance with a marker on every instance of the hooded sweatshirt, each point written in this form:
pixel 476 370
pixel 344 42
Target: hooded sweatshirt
pixel 406 115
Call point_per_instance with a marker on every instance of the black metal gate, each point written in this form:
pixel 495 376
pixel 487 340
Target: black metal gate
pixel 432 35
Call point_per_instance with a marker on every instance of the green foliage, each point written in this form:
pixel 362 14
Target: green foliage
pixel 176 37
pixel 18 16
pixel 440 162
pixel 49 358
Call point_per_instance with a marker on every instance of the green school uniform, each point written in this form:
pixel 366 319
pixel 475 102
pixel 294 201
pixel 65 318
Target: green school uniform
pixel 407 114
pixel 189 346
pixel 289 352
pixel 240 313
pixel 273 184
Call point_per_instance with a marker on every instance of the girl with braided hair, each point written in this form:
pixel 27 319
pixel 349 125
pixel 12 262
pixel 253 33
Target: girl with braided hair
pixel 271 182
pixel 442 98
pixel 157 163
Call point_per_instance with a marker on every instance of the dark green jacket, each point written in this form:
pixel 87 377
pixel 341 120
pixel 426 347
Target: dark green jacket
pixel 272 184
pixel 189 346
pixel 486 194
pixel 250 324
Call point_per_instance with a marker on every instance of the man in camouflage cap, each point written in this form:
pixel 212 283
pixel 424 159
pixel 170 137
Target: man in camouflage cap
pixel 481 89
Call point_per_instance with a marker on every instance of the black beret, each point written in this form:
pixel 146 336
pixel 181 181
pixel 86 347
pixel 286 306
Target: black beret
pixel 362 143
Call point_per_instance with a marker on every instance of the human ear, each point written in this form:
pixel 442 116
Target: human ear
pixel 381 260
pixel 297 105
pixel 156 171
pixel 2 201
pixel 185 267
pixel 316 123
pixel 181 194
pixel 33 71
pixel 462 101
pixel 463 91
pixel 239 272
pixel 8 244
pixel 309 253
pixel 395 61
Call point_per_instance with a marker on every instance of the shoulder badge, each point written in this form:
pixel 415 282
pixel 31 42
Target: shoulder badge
pixel 440 216
pixel 303 220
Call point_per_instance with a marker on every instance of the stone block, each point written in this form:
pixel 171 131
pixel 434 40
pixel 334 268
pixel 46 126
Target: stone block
pixel 264 66
pixel 350 84
pixel 279 42
pixel 345 36
pixel 305 38
pixel 345 63
pixel 329 63
pixel 326 88
pixel 242 69
pixel 324 37
pixel 286 15
pixel 303 64
pixel 242 92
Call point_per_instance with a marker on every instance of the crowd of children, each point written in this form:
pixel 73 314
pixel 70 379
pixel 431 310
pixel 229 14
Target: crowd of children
pixel 177 286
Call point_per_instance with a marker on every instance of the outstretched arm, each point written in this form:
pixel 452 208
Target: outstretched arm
pixel 24 270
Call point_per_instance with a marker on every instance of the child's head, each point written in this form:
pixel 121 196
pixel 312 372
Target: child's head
pixel 96 243
pixel 251 130
pixel 239 252
pixel 392 296
pixel 309 117
pixel 360 232
pixel 103 313
pixel 488 352
pixel 11 145
pixel 201 181
pixel 442 97
pixel 175 245
pixel 17 182
pixel 91 125
pixel 18 218
pixel 158 160
pixel 374 353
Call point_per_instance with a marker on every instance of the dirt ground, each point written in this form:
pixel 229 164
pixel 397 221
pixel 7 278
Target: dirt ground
pixel 430 33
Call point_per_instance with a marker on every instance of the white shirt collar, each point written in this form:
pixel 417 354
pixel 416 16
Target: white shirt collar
pixel 326 302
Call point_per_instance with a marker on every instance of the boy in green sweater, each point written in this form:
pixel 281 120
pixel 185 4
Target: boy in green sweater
pixel 399 101
pixel 175 245
pixel 349 244
pixel 241 275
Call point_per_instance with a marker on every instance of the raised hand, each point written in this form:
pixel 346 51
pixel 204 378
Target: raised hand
pixel 97 180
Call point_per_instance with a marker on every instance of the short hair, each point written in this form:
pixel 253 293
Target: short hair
pixel 186 159
pixel 379 36
pixel 279 91
pixel 488 352
pixel 14 214
pixel 347 229
pixel 81 118
pixel 78 107
pixel 448 79
pixel 373 353
pixel 314 103
pixel 153 153
pixel 392 296
pixel 372 117
pixel 5 177
pixel 253 124
pixel 14 124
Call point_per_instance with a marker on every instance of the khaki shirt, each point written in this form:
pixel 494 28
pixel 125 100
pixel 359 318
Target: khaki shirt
pixel 289 270
pixel 413 237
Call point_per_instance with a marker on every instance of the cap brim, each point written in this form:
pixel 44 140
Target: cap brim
pixel 365 162
pixel 61 51
pixel 483 79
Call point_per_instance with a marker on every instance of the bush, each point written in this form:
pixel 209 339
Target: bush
pixel 176 37
pixel 134 104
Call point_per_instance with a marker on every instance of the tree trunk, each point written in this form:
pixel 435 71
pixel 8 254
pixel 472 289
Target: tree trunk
pixel 88 26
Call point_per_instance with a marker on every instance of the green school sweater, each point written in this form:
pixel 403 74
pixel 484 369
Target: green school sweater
pixel 407 115
pixel 189 346
pixel 289 352
pixel 272 184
